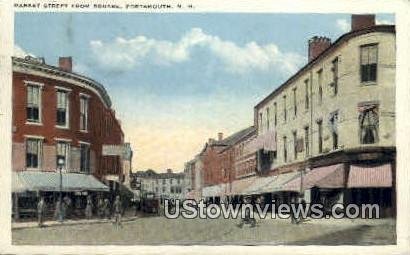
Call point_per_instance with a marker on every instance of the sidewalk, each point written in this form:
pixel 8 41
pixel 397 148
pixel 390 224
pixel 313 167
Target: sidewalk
pixel 50 223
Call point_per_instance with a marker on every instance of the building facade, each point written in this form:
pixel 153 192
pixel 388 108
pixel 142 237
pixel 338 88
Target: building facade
pixel 338 111
pixel 63 121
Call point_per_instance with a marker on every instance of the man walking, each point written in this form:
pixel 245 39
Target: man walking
pixel 106 208
pixel 40 211
pixel 117 211
pixel 89 208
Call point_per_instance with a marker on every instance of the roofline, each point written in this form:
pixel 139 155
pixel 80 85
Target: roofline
pixel 331 48
pixel 47 69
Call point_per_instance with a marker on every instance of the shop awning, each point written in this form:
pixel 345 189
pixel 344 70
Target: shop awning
pixel 238 186
pixel 257 185
pixel 370 176
pixel 323 177
pixel 211 191
pixel 277 182
pixel 50 181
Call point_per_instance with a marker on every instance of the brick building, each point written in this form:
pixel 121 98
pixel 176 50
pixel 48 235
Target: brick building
pixel 63 120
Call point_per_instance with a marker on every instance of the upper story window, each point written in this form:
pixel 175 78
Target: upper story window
pixel 62 108
pixel 33 108
pixel 267 118
pixel 369 123
pixel 163 181
pixel 307 141
pixel 295 145
pixel 63 152
pixel 320 83
pixel 320 136
pixel 260 122
pixel 368 63
pixel 34 148
pixel 285 112
pixel 84 112
pixel 295 107
pixel 306 94
pixel 84 158
pixel 335 74
pixel 333 129
pixel 285 149
pixel 275 109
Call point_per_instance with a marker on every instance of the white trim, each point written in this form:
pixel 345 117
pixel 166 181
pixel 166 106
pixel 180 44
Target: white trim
pixel 63 88
pixel 33 83
pixel 63 140
pixel 34 137
pixel 81 142
pixel 84 95
pixel 62 127
pixel 33 123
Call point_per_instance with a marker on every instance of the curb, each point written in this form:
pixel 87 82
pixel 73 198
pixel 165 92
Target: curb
pixel 72 223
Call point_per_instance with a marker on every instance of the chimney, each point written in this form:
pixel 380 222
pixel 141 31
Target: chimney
pixel 317 45
pixel 65 64
pixel 360 21
pixel 220 136
pixel 211 141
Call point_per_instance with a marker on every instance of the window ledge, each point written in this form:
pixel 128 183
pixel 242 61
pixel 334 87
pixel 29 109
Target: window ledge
pixel 83 131
pixel 32 169
pixel 62 127
pixel 34 123
pixel 368 83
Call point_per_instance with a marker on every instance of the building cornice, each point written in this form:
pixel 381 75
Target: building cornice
pixel 47 71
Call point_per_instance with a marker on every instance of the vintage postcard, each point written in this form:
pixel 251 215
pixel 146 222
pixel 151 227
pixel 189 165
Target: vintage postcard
pixel 202 127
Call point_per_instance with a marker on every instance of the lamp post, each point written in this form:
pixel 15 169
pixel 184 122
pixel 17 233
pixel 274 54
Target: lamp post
pixel 60 163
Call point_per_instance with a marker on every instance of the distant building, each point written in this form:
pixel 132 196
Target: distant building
pixel 164 185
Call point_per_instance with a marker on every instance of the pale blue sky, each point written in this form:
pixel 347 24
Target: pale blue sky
pixel 177 79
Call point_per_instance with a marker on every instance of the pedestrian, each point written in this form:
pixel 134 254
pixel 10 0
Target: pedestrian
pixel 89 208
pixel 107 208
pixel 68 204
pixel 247 219
pixel 117 211
pixel 41 205
pixel 100 207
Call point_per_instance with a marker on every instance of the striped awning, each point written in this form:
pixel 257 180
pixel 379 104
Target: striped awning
pixel 370 176
pixel 323 177
pixel 278 182
pixel 259 183
pixel 50 181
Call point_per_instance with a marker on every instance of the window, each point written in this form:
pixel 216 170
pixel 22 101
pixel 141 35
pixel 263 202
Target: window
pixel 369 124
pixel 84 158
pixel 163 189
pixel 285 149
pixel 307 141
pixel 284 109
pixel 260 122
pixel 295 108
pixel 320 136
pixel 335 71
pixel 62 108
pixel 33 109
pixel 178 181
pixel 306 94
pixel 163 181
pixel 267 118
pixel 171 181
pixel 33 152
pixel 63 153
pixel 275 108
pixel 172 189
pixel 333 129
pixel 84 113
pixel 295 144
pixel 320 83
pixel 368 62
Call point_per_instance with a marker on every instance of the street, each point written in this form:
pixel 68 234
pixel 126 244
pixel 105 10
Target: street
pixel 159 230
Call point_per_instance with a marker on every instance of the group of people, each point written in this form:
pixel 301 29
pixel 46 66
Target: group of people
pixel 63 207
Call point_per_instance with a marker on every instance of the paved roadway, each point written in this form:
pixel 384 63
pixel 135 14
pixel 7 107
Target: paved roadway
pixel 159 230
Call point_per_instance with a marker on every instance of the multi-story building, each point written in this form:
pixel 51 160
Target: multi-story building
pixel 165 185
pixel 334 120
pixel 63 121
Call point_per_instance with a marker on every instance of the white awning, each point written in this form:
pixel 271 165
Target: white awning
pixel 50 181
pixel 265 141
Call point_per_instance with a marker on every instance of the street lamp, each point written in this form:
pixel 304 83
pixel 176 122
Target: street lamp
pixel 60 163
